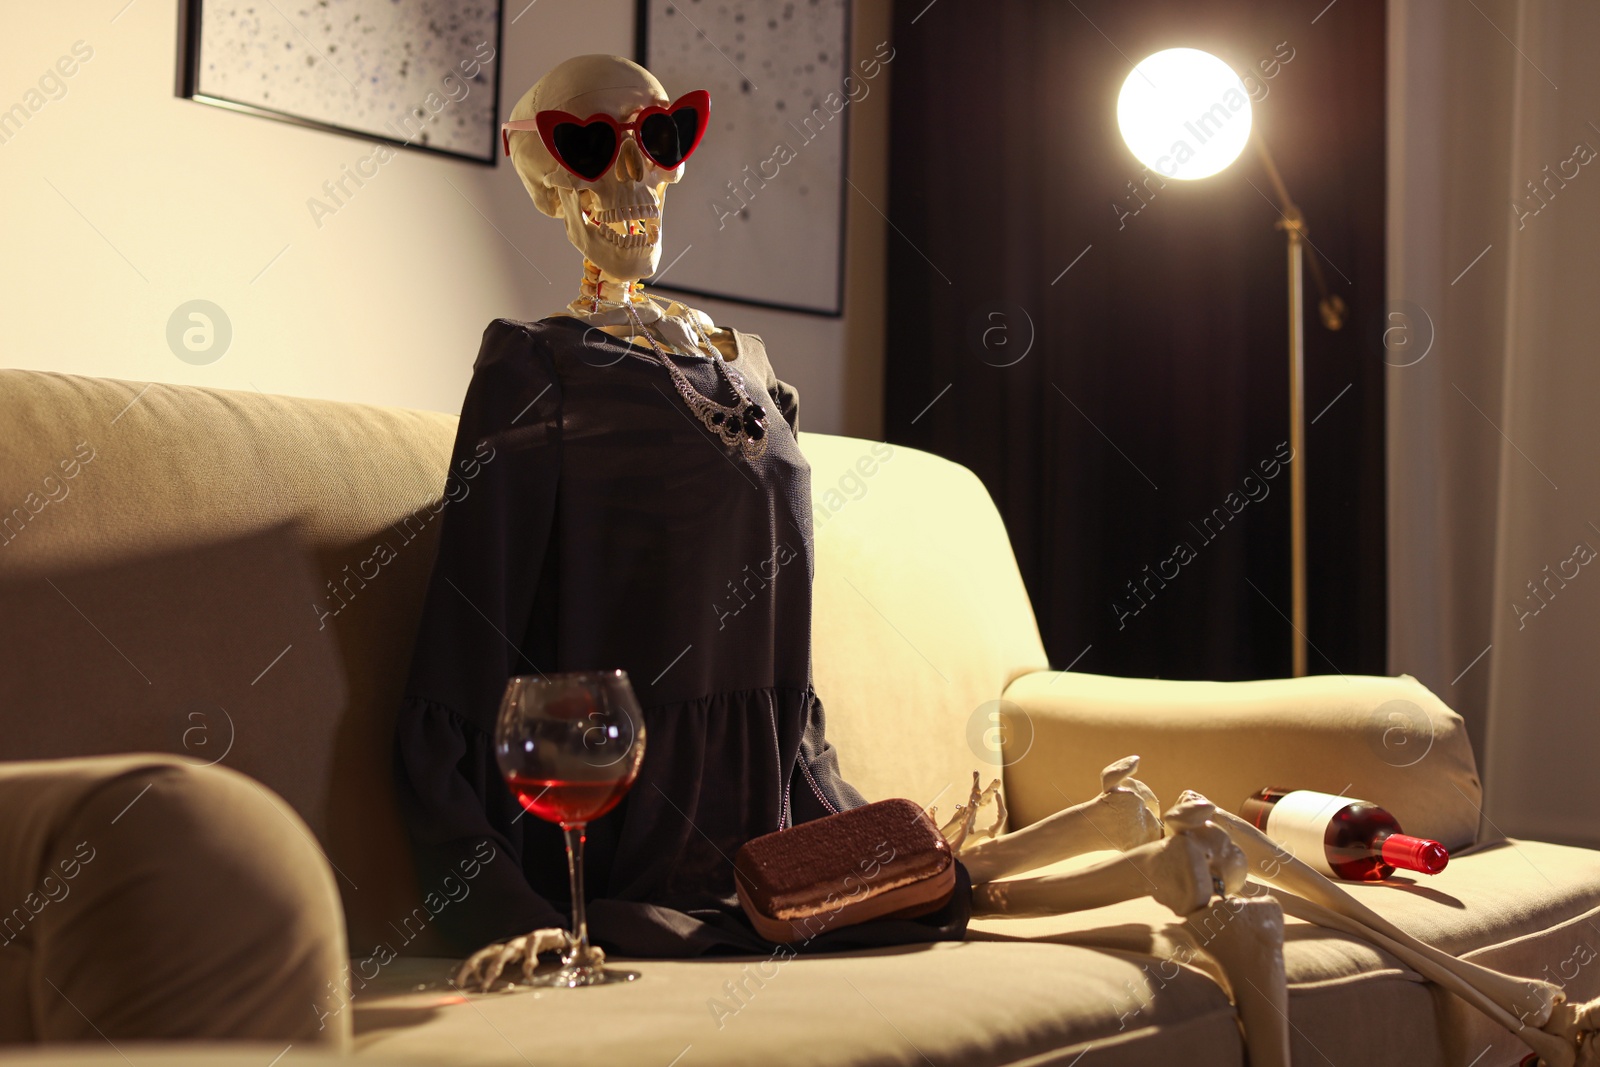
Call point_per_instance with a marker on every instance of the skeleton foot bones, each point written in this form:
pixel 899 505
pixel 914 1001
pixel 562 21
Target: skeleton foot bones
pixel 1210 851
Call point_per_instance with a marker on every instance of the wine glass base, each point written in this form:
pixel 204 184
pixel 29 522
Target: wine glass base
pixel 570 977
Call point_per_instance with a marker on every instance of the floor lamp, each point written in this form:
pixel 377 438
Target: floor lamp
pixel 1185 114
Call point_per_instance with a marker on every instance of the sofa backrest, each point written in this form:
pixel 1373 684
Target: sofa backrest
pixel 237 577
pixel 169 594
pixel 920 618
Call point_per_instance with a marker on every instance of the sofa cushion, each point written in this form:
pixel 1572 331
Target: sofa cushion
pixel 921 618
pixel 972 1004
pixel 1523 907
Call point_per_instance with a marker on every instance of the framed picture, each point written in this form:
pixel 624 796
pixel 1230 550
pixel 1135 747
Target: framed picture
pixel 760 214
pixel 421 74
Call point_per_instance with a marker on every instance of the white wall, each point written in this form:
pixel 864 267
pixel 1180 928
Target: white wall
pixel 122 202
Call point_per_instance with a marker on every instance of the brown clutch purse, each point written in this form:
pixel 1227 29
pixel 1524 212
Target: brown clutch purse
pixel 883 860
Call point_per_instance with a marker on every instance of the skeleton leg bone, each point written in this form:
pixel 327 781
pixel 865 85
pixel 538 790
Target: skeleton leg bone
pixel 1244 936
pixel 1532 998
pixel 1247 942
pixel 1173 874
pixel 1121 817
pixel 1173 871
pixel 1554 1050
pixel 1181 872
pixel 1533 1009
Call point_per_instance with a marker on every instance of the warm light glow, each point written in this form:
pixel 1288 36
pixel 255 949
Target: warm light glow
pixel 1184 113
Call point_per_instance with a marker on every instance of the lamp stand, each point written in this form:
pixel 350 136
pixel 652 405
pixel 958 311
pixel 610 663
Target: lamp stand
pixel 1332 310
pixel 1294 226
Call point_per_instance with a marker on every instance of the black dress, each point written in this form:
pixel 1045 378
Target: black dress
pixel 593 522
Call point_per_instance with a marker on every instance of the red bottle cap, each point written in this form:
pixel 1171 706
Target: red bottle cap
pixel 1415 853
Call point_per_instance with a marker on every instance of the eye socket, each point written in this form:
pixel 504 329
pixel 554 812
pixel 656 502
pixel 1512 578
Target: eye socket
pixel 588 150
pixel 666 138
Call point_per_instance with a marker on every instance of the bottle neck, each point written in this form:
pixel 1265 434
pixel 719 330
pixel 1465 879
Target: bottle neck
pixel 1414 853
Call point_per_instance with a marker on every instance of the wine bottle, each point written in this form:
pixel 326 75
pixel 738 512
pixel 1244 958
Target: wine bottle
pixel 1341 836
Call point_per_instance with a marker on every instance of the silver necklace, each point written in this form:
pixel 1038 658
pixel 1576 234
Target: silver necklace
pixel 742 423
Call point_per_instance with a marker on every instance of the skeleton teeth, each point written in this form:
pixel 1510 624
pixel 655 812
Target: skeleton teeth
pixel 614 223
pixel 643 239
pixel 626 213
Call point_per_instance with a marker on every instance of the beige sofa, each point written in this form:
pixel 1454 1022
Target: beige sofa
pixel 235 578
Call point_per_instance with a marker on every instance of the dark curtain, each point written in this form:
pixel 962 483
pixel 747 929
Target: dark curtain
pixel 1156 386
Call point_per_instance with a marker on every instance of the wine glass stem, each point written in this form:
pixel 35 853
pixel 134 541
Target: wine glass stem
pixel 580 921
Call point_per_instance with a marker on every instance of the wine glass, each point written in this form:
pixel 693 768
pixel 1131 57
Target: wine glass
pixel 570 746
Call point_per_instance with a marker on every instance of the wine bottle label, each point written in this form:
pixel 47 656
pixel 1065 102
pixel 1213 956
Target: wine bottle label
pixel 1299 822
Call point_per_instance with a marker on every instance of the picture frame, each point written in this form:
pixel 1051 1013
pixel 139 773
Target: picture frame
pixel 417 74
pixel 765 222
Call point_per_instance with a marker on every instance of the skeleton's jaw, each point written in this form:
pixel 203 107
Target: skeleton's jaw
pixel 620 236
pixel 630 226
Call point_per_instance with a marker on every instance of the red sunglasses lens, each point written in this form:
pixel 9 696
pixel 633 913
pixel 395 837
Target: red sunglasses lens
pixel 669 138
pixel 587 149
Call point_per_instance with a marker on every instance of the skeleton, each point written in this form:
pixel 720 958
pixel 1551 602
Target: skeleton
pixel 1195 859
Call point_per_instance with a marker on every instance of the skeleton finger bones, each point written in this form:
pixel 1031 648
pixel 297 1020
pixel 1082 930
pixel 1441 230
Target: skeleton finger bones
pixel 483 968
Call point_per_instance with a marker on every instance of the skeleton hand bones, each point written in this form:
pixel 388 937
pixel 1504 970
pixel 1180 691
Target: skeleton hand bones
pixel 483 968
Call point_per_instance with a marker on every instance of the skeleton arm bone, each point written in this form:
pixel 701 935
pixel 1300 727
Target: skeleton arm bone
pixel 1530 997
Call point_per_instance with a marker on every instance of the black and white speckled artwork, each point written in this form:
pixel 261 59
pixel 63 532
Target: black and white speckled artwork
pixel 420 72
pixel 759 208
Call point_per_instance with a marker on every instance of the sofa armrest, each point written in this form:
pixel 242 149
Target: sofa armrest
pixel 154 899
pixel 1387 740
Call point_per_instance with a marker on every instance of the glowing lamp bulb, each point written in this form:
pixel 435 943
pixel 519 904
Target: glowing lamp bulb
pixel 1184 113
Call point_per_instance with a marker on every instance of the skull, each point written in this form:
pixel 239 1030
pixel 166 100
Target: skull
pixel 614 221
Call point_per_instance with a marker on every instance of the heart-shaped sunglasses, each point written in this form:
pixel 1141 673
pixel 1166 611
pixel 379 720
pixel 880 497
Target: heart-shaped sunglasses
pixel 588 147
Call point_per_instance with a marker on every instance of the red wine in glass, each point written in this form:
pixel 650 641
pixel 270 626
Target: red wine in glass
pixel 569 746
pixel 567 803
